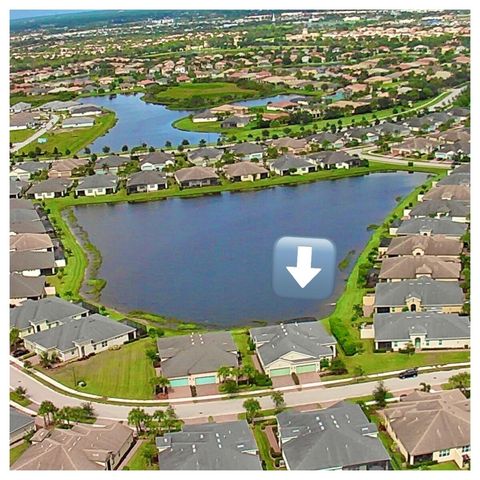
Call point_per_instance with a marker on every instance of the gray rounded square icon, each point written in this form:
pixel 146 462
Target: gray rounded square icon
pixel 304 267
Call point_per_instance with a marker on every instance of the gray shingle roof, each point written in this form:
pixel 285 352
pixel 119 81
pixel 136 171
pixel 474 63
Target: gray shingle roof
pixel 112 161
pixel 432 293
pixel 94 328
pixel 437 226
pixel 452 208
pixel 26 287
pixel 209 446
pixel 196 353
pixel 195 173
pixel 50 309
pixel 19 421
pixel 98 181
pixel 436 326
pixel 202 153
pixel 157 158
pixel 247 148
pixel 51 185
pixel 308 338
pixel 285 162
pixel 146 178
pixel 23 261
pixel 336 437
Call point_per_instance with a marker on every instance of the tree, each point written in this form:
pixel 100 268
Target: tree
pixel 380 394
pixel 337 366
pixel 170 419
pixel 151 353
pixel 106 149
pixel 224 372
pixel 149 453
pixel 65 414
pixel 14 338
pixel 425 387
pixel 358 371
pixel 47 409
pixel 125 148
pixel 252 407
pixel 249 372
pixel 137 417
pixel 278 400
pixel 461 381
pixel 163 382
pixel 88 409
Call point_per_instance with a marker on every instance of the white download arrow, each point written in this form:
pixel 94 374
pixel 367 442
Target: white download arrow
pixel 304 273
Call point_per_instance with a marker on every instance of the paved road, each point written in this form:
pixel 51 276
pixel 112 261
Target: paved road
pixel 449 98
pixel 49 125
pixel 39 392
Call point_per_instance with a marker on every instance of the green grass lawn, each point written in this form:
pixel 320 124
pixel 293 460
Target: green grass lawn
pixel 23 401
pixel 17 136
pixel 17 451
pixel 443 466
pixel 263 447
pixel 137 462
pixel 208 94
pixel 240 337
pixel 73 139
pixel 123 373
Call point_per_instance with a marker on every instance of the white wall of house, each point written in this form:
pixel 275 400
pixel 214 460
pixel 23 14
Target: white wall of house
pixel 425 343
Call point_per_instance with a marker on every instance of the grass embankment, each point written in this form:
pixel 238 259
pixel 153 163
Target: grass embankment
pixel 252 131
pixel 17 451
pixel 138 461
pixel 72 139
pixel 123 373
pixel 200 95
pixel 17 136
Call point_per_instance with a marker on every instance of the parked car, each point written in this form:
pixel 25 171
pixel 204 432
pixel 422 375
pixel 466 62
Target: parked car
pixel 19 352
pixel 410 373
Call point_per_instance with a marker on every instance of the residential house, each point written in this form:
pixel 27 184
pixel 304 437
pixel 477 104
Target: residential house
pixel 21 424
pixel 111 164
pixel 339 437
pixel 452 151
pixel 193 360
pixel 83 447
pixel 66 168
pixel 414 146
pixel 196 177
pixel 455 179
pixel 24 288
pixel 85 110
pixel 292 165
pixel 362 134
pixel 448 192
pixel 20 107
pixel 38 315
pixel 24 171
pixel 422 294
pixel 97 185
pixel 427 226
pixel 339 159
pixel 418 245
pixel 203 157
pixel 431 427
pixel 31 242
pixel 236 121
pixel 456 210
pixel 79 338
pixel 394 129
pixel 51 188
pixel 156 161
pixel 18 188
pixel 395 269
pixel 24 120
pixel 209 446
pixel 326 139
pixel 146 181
pixel 248 151
pixel 32 264
pixel 293 347
pixel 78 122
pixel 287 144
pixel 205 116
pixel 420 124
pixel 245 172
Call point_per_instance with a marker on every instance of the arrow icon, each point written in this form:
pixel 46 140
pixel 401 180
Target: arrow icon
pixel 304 273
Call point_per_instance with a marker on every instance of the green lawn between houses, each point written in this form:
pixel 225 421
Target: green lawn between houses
pixel 73 139
pixel 17 136
pixel 123 373
pixel 138 462
pixel 17 451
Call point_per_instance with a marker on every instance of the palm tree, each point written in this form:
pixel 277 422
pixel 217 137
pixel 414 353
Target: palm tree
pixel 278 400
pixel 169 419
pixel 14 338
pixel 249 372
pixel 137 417
pixel 236 373
pixel 47 409
pixel 163 383
pixel 252 407
pixel 88 409
pixel 224 372
pixel 65 414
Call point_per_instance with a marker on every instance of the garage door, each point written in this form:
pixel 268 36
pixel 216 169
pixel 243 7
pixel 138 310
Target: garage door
pixel 276 372
pixel 205 380
pixel 306 368
pixel 179 382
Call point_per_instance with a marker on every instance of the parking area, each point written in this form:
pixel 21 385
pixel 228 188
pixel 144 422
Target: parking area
pixel 310 377
pixel 179 392
pixel 282 381
pixel 204 390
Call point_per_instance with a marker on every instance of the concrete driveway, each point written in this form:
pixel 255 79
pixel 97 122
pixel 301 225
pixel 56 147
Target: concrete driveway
pixel 204 390
pixel 179 392
pixel 282 381
pixel 310 377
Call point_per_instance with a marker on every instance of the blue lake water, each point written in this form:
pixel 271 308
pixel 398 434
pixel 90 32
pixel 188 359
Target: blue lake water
pixel 209 259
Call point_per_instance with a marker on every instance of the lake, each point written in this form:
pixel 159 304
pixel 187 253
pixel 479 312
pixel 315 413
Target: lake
pixel 209 259
pixel 151 123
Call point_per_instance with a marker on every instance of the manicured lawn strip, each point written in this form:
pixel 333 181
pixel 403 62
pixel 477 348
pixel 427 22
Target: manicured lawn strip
pixel 240 337
pixel 170 326
pixel 17 136
pixel 443 466
pixel 73 139
pixel 138 462
pixel 17 451
pixel 123 373
pixel 23 401
pixel 263 447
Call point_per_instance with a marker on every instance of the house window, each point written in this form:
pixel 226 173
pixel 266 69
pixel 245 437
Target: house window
pixel 428 343
pixel 466 449
pixel 104 343
pixel 444 453
pixel 440 342
pixel 95 347
pixel 395 344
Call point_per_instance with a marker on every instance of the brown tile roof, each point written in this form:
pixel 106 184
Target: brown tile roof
pixel 439 245
pixel 449 192
pixel 413 267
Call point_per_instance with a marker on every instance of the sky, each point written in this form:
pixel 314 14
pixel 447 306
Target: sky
pixel 16 14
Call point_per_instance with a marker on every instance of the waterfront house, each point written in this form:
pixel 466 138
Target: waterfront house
pixel 293 347
pixel 37 315
pixel 395 269
pixel 205 116
pixel 422 330
pixel 51 188
pixel 21 424
pixel 431 427
pixel 24 120
pixel 18 187
pixel 204 156
pixel 32 264
pixel 209 446
pixel 79 338
pixel 193 360
pixel 422 294
pixel 427 226
pixel 196 177
pixel 454 179
pixel 456 210
pixel 82 447
pixel 97 185
pixel 110 164
pixel 85 110
pixel 156 161
pixel 339 437
pixel 292 165
pixel 248 151
pixel 236 121
pixel 245 172
pixel 25 288
pixel 448 192
pixel 418 245
pixel 78 122
pixel 66 168
pixel 329 159
pixel 24 171
pixel 146 181
pixel 31 242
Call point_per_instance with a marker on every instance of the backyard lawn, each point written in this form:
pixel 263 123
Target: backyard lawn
pixel 123 373
pixel 138 462
pixel 17 136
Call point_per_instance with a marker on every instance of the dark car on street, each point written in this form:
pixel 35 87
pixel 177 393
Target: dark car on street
pixel 410 373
